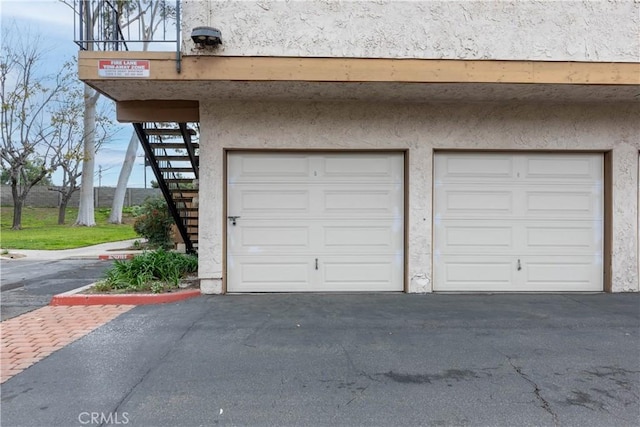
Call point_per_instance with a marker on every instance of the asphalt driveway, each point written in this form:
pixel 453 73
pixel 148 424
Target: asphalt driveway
pixel 29 284
pixel 374 360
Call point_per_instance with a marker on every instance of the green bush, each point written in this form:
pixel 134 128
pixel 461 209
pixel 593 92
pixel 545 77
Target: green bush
pixel 154 222
pixel 131 210
pixel 155 271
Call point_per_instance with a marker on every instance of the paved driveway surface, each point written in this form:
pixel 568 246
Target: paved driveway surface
pixel 29 284
pixel 314 360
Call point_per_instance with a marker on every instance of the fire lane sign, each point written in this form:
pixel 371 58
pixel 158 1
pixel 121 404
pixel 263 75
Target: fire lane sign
pixel 119 68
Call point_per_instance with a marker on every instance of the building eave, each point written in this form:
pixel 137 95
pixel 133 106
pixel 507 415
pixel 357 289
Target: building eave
pixel 208 77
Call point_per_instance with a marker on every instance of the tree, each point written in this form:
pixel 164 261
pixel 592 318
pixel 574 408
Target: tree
pixel 86 213
pixel 32 169
pixel 28 96
pixel 98 20
pixel 68 133
pixel 149 15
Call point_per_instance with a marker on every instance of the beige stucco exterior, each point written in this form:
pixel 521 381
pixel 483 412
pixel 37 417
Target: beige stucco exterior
pixel 421 129
pixel 414 76
pixel 579 30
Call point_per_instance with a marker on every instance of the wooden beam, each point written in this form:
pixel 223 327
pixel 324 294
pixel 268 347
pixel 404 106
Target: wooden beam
pixel 307 69
pixel 157 111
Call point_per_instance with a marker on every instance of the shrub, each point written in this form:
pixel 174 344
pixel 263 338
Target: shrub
pixel 154 222
pixel 154 271
pixel 131 210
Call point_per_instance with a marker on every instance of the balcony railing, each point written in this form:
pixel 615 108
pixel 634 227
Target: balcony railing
pixel 117 25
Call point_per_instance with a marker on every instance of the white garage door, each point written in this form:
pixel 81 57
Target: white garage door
pixel 315 222
pixel 518 222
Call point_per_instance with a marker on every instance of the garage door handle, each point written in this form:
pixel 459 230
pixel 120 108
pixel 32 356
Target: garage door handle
pixel 233 219
pixel 519 266
pixel 316 263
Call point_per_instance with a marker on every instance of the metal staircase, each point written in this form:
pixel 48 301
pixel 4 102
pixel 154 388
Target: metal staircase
pixel 172 151
pixel 170 148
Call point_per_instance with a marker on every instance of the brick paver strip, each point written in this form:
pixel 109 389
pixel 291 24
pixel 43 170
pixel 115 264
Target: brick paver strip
pixel 31 337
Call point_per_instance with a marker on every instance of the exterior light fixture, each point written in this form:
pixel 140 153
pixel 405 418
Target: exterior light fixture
pixel 206 36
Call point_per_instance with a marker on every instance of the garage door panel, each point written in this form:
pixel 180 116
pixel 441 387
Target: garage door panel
pixel 254 167
pixel 567 168
pixel 351 237
pixel 474 202
pixel 576 204
pixel 472 273
pixel 494 167
pixel 260 238
pixel 459 236
pixel 272 202
pixel 266 274
pixel 359 200
pixel 548 274
pixel 364 168
pixel 371 273
pixel 563 237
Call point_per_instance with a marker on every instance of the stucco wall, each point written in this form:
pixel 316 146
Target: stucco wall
pixel 526 30
pixel 421 129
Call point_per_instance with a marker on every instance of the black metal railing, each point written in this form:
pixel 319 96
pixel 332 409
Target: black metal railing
pixel 117 25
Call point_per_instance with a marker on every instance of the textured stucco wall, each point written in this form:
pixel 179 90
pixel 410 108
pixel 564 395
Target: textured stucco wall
pixel 421 129
pixel 535 30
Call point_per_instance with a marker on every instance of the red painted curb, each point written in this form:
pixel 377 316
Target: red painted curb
pixel 115 256
pixel 123 299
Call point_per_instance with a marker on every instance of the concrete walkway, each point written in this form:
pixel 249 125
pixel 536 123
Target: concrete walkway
pixel 88 252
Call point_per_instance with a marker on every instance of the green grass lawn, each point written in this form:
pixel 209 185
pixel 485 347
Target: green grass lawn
pixel 41 231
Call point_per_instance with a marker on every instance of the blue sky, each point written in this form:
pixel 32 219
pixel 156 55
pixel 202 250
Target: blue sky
pixel 53 20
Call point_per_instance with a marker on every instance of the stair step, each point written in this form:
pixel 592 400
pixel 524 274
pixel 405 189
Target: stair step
pixel 180 170
pixel 188 209
pixel 184 158
pixel 179 181
pixel 171 145
pixel 168 132
pixel 185 190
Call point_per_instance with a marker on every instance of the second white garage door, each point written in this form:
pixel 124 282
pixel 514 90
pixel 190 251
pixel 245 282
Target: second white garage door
pixel 315 222
pixel 518 222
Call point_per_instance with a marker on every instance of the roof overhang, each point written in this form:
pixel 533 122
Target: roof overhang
pixel 371 79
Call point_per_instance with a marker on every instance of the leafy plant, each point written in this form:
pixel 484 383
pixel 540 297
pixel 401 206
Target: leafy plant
pixel 154 222
pixel 155 271
pixel 131 210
